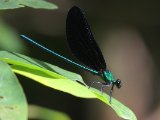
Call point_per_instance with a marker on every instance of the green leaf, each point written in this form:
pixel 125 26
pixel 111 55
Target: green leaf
pixel 23 60
pixel 12 4
pixel 37 112
pixel 13 105
pixel 39 73
pixel 121 110
pixel 39 4
pixel 9 4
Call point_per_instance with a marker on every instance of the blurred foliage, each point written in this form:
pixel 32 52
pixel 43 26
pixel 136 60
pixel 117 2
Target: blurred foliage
pixel 12 4
pixel 9 39
pixel 13 104
pixel 37 112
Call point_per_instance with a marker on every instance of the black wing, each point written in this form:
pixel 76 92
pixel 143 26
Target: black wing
pixel 81 40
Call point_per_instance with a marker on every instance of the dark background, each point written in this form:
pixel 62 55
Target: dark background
pixel 128 34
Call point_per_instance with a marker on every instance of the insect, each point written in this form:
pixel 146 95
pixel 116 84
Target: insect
pixel 85 49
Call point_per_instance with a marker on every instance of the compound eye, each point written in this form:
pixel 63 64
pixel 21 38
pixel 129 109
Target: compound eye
pixel 118 83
